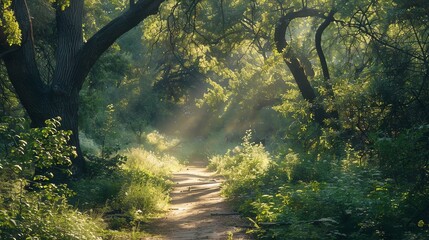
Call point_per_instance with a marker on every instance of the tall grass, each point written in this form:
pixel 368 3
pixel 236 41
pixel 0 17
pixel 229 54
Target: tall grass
pixel 241 166
pixel 148 161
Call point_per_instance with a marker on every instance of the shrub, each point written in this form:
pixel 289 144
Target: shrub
pixel 355 203
pixel 43 212
pixel 405 156
pixel 301 195
pixel 143 199
pixel 241 167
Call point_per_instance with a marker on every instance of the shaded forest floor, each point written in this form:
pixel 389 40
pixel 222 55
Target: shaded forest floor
pixel 197 209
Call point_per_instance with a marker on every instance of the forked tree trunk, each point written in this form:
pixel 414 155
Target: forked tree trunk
pixel 296 67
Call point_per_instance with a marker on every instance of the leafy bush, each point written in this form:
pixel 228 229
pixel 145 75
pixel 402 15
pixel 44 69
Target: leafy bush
pixel 357 204
pixel 42 212
pixel 241 166
pixel 147 186
pixel 297 197
pixel 143 199
pixel 405 156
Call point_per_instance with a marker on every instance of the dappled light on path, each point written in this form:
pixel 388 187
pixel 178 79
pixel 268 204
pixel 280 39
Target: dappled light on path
pixel 197 210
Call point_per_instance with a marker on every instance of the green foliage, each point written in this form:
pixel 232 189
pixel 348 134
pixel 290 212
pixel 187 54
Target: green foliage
pixel 294 167
pixel 8 23
pixel 127 188
pixel 356 204
pixel 40 148
pixel 146 191
pixel 44 215
pixel 241 167
pixel 404 157
pixel 308 196
pixel 161 165
pixel 42 212
pixel 362 176
pixel 143 197
pixel 215 96
pixel 10 26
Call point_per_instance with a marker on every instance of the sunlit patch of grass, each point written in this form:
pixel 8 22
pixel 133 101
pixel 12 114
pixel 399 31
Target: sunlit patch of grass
pixel 241 166
pixel 148 161
pixel 161 142
pixel 143 200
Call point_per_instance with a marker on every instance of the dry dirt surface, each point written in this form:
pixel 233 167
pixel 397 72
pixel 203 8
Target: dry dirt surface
pixel 197 210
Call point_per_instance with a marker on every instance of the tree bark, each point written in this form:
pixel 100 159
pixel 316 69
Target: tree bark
pixel 74 59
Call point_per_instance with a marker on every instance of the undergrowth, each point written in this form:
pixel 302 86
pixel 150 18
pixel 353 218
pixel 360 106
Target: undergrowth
pixel 31 207
pixel 127 187
pixel 298 196
pixel 120 191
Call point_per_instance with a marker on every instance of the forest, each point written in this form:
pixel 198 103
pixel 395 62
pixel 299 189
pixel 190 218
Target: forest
pixel 314 112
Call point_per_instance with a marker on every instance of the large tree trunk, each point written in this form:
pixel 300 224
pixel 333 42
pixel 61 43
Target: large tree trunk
pixel 73 59
pixel 42 101
pixel 66 107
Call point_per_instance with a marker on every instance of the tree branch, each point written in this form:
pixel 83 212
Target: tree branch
pixel 21 64
pixel 283 23
pixel 318 40
pixel 289 56
pixel 322 58
pixel 106 36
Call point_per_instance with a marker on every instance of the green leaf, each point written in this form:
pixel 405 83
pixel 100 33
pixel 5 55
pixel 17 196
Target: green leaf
pixel 17 168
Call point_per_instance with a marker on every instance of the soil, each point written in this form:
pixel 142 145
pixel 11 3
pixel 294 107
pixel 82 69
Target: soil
pixel 197 209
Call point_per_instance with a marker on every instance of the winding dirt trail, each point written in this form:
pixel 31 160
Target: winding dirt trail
pixel 197 210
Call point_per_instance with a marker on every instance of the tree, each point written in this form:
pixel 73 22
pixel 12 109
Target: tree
pixel 59 96
pixel 296 64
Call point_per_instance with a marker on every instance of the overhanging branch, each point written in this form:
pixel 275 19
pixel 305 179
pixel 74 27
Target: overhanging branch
pixel 283 23
pixel 106 36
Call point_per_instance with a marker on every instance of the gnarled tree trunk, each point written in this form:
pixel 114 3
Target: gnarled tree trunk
pixel 297 67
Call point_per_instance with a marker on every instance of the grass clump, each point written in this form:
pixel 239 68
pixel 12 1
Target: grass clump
pixel 149 161
pixel 126 188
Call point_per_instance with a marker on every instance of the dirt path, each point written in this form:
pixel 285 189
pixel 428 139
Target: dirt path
pixel 197 210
